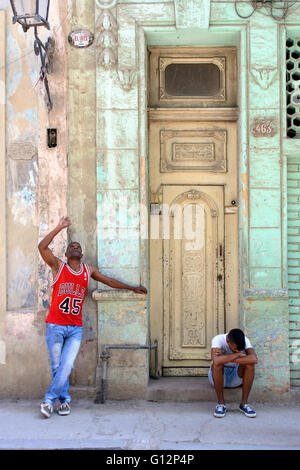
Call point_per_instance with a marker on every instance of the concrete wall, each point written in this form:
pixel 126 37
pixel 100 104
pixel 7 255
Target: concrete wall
pixel 36 181
pixel 20 323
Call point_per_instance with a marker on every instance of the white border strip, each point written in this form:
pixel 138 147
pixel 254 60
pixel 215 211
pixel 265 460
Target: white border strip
pixel 3 288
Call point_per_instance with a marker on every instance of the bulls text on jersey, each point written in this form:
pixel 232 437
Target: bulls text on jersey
pixel 67 288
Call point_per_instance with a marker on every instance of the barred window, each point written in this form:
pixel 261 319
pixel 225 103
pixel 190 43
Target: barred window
pixel 293 87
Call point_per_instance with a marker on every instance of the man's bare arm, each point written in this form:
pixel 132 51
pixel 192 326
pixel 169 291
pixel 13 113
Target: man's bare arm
pixel 44 249
pixel 249 358
pixel 219 358
pixel 97 276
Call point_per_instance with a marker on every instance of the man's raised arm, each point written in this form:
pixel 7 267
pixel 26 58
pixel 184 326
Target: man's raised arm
pixel 44 249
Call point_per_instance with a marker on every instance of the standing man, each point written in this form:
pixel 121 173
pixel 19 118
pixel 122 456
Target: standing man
pixel 233 364
pixel 64 320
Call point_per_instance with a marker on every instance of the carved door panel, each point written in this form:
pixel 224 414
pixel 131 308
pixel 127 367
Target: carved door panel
pixel 193 287
pixel 193 193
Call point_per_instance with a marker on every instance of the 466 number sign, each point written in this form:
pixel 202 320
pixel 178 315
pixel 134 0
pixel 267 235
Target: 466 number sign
pixel 263 128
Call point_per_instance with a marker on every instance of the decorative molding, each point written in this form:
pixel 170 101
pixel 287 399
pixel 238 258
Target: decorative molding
pixel 193 150
pixel 107 38
pixel 194 194
pixel 21 151
pixel 219 62
pixel 126 77
pixel 187 371
pixel 108 43
pixel 264 76
pixel 106 4
pixel 194 13
pixel 193 114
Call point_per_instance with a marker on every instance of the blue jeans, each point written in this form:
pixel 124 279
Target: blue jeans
pixel 63 344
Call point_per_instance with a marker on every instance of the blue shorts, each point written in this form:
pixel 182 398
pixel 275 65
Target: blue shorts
pixel 231 377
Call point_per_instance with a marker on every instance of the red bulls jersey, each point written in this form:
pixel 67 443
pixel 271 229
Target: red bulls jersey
pixel 69 290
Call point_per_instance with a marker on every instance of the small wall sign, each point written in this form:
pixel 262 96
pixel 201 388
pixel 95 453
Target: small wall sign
pixel 81 38
pixel 263 127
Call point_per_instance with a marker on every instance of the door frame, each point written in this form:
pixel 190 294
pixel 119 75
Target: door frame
pixel 231 219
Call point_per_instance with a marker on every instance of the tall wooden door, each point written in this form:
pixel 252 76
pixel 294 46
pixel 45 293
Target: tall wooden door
pixel 193 206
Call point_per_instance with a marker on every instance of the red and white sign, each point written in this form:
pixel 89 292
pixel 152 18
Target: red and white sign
pixel 81 38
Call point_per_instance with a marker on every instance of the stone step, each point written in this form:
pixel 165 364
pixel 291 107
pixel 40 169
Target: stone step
pixel 189 389
pixel 186 389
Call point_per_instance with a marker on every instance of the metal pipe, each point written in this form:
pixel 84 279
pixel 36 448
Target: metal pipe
pixel 101 395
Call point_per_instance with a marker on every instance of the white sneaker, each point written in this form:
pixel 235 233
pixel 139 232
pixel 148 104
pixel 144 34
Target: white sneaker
pixel 64 409
pixel 46 410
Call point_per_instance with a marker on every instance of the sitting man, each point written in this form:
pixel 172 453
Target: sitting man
pixel 233 364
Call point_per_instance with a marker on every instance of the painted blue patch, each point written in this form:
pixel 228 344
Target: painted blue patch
pixel 46 304
pixel 31 115
pixel 27 195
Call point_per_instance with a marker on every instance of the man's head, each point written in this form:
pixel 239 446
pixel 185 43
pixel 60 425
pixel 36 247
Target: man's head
pixel 236 340
pixel 74 250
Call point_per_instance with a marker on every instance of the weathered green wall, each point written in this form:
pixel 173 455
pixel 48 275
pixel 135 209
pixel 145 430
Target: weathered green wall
pixel 260 42
pixel 266 316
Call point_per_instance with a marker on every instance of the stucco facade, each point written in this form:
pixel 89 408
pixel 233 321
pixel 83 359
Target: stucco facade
pixel 98 174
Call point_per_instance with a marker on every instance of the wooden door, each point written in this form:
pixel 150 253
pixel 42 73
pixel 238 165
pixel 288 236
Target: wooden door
pixel 193 224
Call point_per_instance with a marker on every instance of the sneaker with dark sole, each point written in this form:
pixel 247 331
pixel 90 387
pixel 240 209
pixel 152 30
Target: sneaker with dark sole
pixel 46 410
pixel 64 409
pixel 248 411
pixel 220 410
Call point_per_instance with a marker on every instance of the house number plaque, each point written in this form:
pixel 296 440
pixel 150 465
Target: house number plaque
pixel 263 128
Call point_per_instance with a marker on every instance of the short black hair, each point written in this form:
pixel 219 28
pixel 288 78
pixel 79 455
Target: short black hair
pixel 237 337
pixel 74 241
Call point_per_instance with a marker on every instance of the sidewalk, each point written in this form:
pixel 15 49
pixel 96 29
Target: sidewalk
pixel 143 425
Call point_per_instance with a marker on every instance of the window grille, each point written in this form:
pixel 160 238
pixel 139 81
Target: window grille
pixel 293 87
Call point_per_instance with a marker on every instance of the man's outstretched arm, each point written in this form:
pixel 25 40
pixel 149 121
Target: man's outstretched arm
pixel 44 249
pixel 97 276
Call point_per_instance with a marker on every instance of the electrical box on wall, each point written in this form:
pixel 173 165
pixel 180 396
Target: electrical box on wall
pixel 52 138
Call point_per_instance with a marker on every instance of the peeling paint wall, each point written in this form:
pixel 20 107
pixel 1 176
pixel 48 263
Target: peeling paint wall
pixel 36 183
